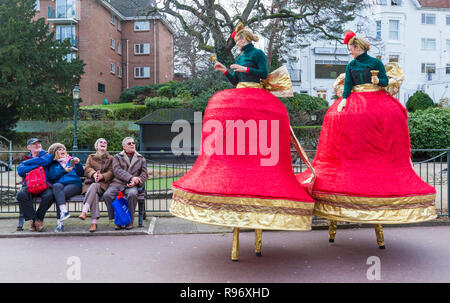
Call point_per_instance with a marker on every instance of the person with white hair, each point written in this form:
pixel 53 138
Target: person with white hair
pixel 98 170
pixel 130 174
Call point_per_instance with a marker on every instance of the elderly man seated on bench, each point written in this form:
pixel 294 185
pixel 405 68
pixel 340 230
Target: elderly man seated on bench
pixel 130 173
pixel 33 161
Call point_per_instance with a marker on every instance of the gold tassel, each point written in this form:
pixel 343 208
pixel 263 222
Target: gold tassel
pixel 380 236
pixel 332 231
pixel 235 247
pixel 258 242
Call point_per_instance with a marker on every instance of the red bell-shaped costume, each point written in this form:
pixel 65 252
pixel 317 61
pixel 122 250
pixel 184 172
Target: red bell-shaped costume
pixel 243 176
pixel 363 167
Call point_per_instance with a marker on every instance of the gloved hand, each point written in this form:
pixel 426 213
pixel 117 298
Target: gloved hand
pixel 342 105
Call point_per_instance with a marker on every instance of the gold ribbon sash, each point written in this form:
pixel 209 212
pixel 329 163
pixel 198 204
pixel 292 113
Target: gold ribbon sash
pixel 368 87
pixel 278 83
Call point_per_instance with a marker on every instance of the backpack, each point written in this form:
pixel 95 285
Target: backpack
pixel 36 181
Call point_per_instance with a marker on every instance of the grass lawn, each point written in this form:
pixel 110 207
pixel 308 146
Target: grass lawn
pixel 160 184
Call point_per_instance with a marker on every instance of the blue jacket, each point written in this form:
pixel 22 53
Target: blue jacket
pixel 57 174
pixel 30 163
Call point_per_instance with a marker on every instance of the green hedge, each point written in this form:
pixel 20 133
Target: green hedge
pixel 123 111
pixel 302 107
pixel 308 135
pixel 88 133
pixel 419 101
pixel 130 94
pixel 430 128
pixel 164 102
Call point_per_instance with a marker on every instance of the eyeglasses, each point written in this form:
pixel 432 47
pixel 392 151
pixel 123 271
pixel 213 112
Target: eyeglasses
pixel 103 142
pixel 131 143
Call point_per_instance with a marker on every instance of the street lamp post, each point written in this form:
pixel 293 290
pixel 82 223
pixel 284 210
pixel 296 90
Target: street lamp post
pixel 76 98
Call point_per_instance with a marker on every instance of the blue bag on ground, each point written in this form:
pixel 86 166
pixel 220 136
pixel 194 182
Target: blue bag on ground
pixel 121 212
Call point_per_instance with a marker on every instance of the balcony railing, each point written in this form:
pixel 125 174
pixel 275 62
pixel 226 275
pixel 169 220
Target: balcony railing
pixel 62 13
pixel 73 41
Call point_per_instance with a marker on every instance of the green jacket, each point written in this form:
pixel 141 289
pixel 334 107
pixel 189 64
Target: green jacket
pixel 255 60
pixel 358 72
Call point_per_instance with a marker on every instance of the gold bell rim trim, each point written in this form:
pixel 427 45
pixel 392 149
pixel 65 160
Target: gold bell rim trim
pixel 250 213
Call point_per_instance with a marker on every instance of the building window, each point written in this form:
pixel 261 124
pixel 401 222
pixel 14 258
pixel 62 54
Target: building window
pixel 101 87
pixel 322 94
pixel 428 68
pixel 113 43
pixel 394 58
pixel 38 5
pixel 428 18
pixel 142 49
pixel 447 19
pixel 65 31
pixel 328 69
pixel 378 37
pixel 448 44
pixel 112 18
pixel 447 69
pixel 112 68
pixel 119 25
pixel 428 44
pixel 65 8
pixel 119 48
pixel 119 71
pixel 396 2
pixel 394 29
pixel 142 72
pixel 141 25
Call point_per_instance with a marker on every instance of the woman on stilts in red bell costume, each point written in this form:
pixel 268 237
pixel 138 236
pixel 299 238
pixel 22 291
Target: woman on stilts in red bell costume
pixel 363 169
pixel 243 176
pixel 250 68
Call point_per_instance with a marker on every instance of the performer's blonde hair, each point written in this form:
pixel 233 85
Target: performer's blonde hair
pixel 352 39
pixel 247 33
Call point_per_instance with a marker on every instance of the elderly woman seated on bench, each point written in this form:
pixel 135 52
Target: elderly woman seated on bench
pixel 65 174
pixel 98 170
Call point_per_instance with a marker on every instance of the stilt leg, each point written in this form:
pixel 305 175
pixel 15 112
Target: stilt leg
pixel 258 242
pixel 380 236
pixel 235 247
pixel 332 231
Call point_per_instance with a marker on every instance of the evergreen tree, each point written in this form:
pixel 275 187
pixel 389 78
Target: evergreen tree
pixel 36 77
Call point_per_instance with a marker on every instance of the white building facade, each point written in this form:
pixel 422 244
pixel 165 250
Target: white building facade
pixel 416 34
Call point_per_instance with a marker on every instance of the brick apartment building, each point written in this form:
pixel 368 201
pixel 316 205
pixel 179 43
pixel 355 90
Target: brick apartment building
pixel 121 47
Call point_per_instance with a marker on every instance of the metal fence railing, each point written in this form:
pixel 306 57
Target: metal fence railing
pixel 164 168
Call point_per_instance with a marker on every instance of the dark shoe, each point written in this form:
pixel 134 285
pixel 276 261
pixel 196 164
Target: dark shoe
pixel 32 226
pixel 93 228
pixel 118 227
pixel 82 216
pixel 39 225
pixel 129 226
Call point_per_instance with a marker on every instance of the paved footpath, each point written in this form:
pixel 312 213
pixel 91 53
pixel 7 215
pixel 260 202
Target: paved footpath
pixel 170 253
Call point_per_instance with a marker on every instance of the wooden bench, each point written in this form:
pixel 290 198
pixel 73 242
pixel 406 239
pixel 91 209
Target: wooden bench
pixel 80 198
